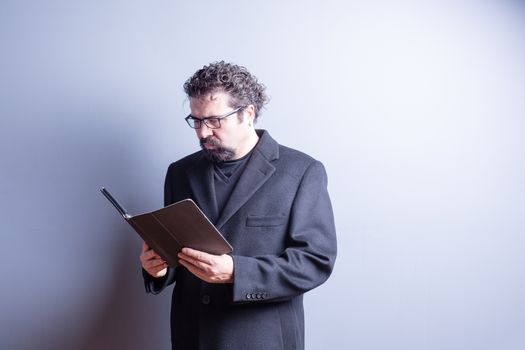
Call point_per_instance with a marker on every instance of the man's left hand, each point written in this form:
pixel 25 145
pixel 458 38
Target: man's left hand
pixel 208 267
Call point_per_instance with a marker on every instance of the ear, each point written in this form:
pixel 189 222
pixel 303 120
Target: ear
pixel 249 113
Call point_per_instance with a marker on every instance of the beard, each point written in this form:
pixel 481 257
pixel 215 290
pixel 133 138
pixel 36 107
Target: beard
pixel 218 153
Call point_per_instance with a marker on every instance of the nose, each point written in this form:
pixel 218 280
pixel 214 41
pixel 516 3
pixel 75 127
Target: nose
pixel 204 131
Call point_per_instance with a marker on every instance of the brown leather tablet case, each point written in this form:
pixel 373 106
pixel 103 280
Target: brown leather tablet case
pixel 171 228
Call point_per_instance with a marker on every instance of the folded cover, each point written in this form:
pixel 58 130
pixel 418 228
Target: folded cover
pixel 171 228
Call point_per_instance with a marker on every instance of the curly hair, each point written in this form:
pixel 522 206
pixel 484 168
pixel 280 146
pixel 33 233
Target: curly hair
pixel 237 81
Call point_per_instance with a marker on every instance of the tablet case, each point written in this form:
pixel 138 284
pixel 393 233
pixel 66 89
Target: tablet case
pixel 168 230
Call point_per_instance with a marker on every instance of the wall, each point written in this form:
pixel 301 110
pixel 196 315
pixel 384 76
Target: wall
pixel 415 107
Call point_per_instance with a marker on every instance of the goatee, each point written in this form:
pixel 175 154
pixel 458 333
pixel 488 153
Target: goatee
pixel 217 153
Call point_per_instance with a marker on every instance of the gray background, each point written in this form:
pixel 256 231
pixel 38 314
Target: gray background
pixel 415 107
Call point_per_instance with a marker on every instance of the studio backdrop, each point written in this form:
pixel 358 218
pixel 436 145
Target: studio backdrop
pixel 416 109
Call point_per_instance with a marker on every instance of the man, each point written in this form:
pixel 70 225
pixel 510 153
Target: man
pixel 269 201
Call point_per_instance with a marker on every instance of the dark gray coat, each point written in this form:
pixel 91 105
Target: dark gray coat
pixel 280 223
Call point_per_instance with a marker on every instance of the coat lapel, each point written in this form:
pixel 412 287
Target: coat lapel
pixel 258 170
pixel 200 178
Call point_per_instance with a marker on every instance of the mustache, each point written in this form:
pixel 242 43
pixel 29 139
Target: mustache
pixel 209 140
pixel 218 152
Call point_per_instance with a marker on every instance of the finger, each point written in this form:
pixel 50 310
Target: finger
pixel 206 276
pixel 154 263
pixel 198 255
pixel 158 271
pixel 145 247
pixel 145 256
pixel 150 255
pixel 197 263
pixel 159 267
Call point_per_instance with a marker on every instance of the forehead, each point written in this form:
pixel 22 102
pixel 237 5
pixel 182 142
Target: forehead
pixel 210 104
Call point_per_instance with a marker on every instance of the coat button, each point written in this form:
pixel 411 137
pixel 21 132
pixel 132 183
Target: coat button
pixel 206 299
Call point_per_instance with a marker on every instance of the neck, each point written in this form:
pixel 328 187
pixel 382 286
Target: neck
pixel 247 146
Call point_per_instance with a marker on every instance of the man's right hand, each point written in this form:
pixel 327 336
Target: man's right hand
pixel 152 262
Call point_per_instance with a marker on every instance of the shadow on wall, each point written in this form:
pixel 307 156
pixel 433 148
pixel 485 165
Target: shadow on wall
pixel 124 316
pixel 92 294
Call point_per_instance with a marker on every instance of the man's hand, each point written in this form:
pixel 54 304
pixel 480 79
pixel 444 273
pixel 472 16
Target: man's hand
pixel 208 267
pixel 152 262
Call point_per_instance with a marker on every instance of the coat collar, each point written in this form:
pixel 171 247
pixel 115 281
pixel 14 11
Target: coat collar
pixel 257 171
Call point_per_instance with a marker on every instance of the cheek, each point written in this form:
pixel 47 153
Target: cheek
pixel 220 135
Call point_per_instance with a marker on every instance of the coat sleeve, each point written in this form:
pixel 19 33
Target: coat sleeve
pixel 310 254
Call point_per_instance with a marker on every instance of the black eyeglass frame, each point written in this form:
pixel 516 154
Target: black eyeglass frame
pixel 192 121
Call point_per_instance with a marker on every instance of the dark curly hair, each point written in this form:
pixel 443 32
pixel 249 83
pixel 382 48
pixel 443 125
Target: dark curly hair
pixel 237 81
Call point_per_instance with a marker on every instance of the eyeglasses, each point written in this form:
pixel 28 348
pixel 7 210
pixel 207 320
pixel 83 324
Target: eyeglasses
pixel 211 122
